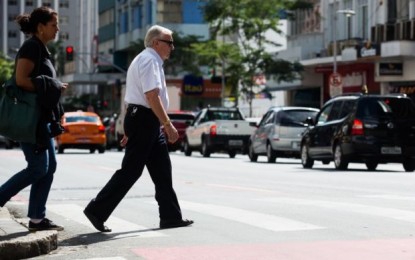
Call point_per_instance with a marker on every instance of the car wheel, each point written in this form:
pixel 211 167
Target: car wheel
pixel 60 150
pixel 325 162
pixel 205 149
pixel 409 165
pixel 340 161
pixel 186 148
pixel 271 154
pixel 232 154
pixel 251 153
pixel 101 150
pixel 371 165
pixel 92 150
pixel 306 161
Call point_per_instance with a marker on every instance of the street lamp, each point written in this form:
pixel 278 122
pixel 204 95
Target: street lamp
pixel 348 13
pixel 335 79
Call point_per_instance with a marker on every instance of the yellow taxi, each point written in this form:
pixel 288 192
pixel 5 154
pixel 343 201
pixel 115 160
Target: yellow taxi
pixel 83 130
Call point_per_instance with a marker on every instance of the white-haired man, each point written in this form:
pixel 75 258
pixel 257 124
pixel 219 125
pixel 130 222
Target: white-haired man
pixel 145 144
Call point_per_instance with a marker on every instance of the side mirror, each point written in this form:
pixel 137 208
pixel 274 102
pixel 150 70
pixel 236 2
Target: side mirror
pixel 309 121
pixel 254 124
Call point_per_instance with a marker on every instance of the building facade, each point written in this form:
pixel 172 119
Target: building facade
pixel 368 43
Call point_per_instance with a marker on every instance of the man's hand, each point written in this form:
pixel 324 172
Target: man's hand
pixel 172 134
pixel 124 141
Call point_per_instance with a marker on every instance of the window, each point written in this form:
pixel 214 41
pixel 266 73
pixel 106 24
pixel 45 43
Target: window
pixel 63 20
pixel 137 16
pixel 347 108
pixel 363 19
pixel 29 2
pixel 12 34
pixel 64 4
pixel 123 22
pixel 12 2
pixel 63 36
pixel 72 119
pixel 335 111
pixel 324 114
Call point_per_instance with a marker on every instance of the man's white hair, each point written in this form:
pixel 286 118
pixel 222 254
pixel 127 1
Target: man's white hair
pixel 155 32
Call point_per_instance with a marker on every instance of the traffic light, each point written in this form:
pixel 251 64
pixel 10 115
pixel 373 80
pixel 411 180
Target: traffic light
pixel 69 53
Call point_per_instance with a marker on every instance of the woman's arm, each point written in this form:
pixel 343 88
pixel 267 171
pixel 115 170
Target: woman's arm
pixel 23 69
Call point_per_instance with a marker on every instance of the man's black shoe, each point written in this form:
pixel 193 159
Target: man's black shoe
pixel 175 223
pixel 96 222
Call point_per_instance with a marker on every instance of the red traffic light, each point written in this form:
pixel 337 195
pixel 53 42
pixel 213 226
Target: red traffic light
pixel 69 53
pixel 69 49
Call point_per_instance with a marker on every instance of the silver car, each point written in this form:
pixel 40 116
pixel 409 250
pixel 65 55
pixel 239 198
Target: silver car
pixel 278 134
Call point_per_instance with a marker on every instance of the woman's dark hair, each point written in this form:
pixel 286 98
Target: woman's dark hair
pixel 28 22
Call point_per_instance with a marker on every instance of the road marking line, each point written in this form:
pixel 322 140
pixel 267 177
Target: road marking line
pixel 118 226
pixel 397 214
pixel 264 221
pixel 389 197
pixel 242 188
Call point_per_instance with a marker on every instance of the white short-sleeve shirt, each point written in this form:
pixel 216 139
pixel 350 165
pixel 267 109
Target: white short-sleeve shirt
pixel 144 74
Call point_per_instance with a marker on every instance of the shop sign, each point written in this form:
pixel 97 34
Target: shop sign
pixel 368 50
pixel 391 69
pixel 192 85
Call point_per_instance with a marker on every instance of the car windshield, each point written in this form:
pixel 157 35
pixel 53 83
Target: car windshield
pixel 400 108
pixel 296 117
pixel 181 117
pixel 224 115
pixel 72 119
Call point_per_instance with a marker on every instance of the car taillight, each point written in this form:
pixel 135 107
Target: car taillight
pixel 101 129
pixel 357 128
pixel 213 130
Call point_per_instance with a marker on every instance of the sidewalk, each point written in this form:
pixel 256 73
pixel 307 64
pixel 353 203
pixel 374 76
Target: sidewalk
pixel 16 242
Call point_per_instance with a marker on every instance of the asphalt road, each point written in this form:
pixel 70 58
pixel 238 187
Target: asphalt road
pixel 242 210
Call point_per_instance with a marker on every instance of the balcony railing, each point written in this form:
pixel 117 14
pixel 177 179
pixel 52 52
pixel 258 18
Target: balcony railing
pixel 402 30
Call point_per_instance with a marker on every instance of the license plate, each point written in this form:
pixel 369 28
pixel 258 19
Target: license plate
pixel 236 142
pixel 391 150
pixel 83 140
pixel 295 145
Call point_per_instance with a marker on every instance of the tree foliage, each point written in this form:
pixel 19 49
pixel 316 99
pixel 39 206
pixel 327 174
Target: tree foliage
pixel 6 69
pixel 238 30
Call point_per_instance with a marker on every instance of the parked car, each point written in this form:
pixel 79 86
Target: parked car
pixel 279 133
pixel 370 129
pixel 218 129
pixel 110 132
pixel 83 130
pixel 180 120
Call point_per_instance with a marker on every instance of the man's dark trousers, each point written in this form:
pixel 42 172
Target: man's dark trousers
pixel 146 146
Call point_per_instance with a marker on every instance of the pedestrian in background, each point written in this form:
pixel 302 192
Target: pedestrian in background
pixel 147 99
pixel 34 72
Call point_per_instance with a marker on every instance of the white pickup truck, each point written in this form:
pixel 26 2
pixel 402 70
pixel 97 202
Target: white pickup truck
pixel 218 129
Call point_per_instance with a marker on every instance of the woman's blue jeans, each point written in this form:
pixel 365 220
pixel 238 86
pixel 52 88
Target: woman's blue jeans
pixel 41 165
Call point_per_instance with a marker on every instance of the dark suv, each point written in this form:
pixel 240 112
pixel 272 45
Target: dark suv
pixel 370 129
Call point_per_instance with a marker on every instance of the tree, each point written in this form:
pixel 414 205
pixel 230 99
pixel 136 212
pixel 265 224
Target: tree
pixel 182 58
pixel 6 69
pixel 243 55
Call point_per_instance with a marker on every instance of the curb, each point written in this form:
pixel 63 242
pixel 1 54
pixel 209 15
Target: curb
pixel 18 243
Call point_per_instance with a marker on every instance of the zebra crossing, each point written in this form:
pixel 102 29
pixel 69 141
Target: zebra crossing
pixel 381 249
pixel 268 222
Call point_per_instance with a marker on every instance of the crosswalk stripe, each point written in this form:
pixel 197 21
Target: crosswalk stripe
pixel 120 226
pixel 392 213
pixel 389 197
pixel 260 220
